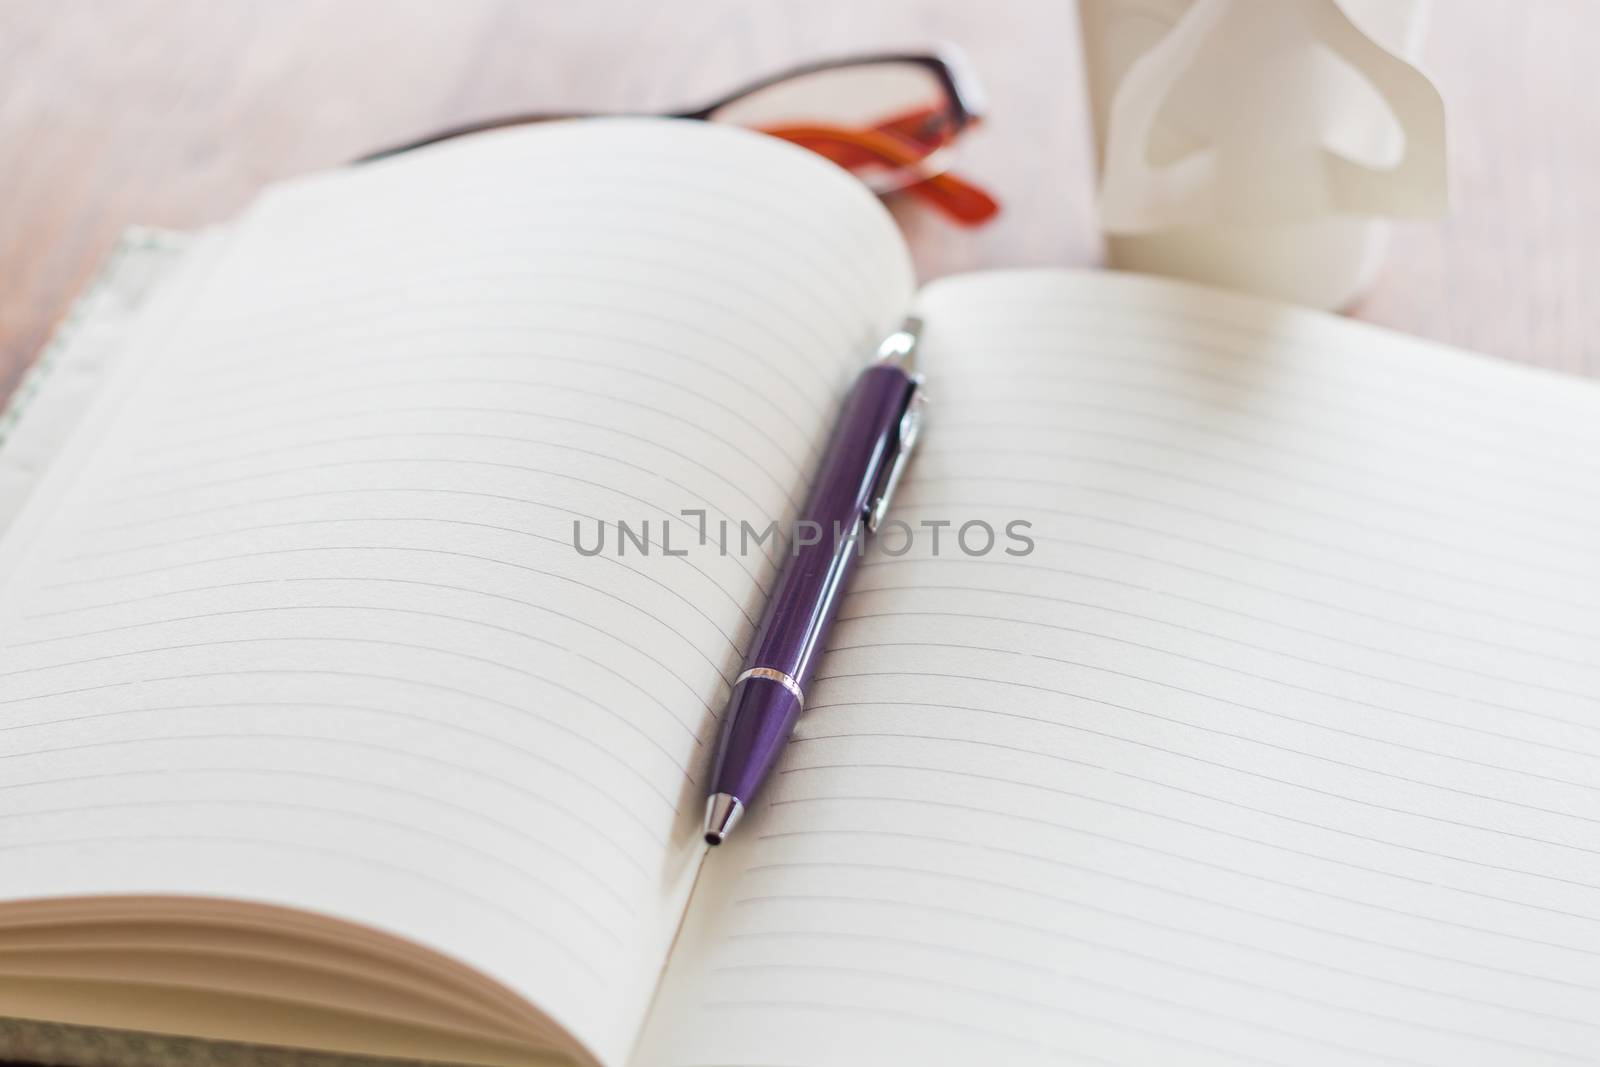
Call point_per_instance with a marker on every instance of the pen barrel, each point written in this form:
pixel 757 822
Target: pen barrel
pixel 829 536
pixel 827 540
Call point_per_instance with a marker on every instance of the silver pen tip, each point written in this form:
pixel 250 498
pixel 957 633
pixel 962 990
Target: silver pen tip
pixel 722 813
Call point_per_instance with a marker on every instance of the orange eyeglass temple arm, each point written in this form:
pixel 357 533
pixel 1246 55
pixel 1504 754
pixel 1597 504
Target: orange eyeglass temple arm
pixel 894 147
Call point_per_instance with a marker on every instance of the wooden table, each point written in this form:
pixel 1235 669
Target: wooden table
pixel 173 112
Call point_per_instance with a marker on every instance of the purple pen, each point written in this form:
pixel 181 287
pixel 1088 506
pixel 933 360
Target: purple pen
pixel 871 444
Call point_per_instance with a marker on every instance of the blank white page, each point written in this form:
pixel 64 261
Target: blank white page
pixel 300 619
pixel 1282 746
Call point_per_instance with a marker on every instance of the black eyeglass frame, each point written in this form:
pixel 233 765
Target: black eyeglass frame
pixel 946 63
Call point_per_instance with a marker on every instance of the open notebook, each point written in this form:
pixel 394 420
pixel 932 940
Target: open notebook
pixel 1282 745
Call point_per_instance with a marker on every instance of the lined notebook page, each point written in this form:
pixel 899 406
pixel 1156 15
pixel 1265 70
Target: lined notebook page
pixel 302 621
pixel 1281 747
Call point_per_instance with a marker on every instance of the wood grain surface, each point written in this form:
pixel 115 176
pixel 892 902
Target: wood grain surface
pixel 174 112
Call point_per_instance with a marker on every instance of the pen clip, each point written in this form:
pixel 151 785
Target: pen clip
pixel 905 441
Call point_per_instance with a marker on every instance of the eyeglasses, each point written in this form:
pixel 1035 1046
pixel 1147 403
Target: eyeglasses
pixel 891 120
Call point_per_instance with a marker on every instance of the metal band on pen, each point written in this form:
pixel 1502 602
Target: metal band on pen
pixel 772 674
